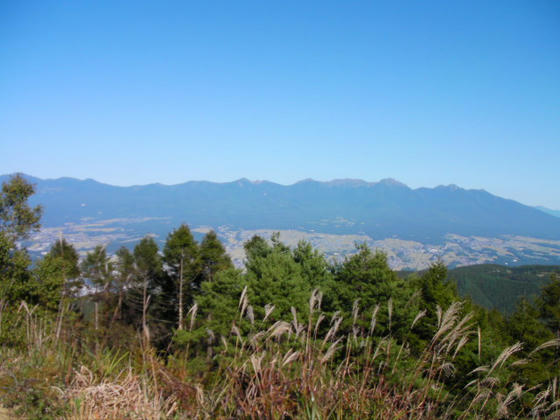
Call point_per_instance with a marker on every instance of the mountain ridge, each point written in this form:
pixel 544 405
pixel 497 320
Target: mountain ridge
pixel 357 182
pixel 546 210
pixel 384 208
pixel 415 226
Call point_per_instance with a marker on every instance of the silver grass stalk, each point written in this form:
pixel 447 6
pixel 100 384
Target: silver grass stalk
pixel 484 368
pixel 319 320
pixel 464 340
pixel 446 320
pixel 294 316
pixel 335 316
pixel 355 310
pixel 330 352
pixel 315 300
pixel 479 342
pixel 236 331
pixel 278 329
pixel 373 319
pixel 418 317
pixel 555 342
pixel 390 311
pixel 268 308
pixel 332 331
pixel 250 315
pixel 514 394
pixel 256 337
pixel 290 358
pixel 192 312
pixel 242 297
pixel 506 353
pixel 224 342
pixel 439 314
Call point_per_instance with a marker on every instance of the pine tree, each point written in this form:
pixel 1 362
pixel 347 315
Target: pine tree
pixel 213 257
pixel 150 281
pixel 17 218
pixel 124 279
pixel 549 304
pixel 98 269
pixel 69 258
pixel 180 256
pixel 274 277
pixel 366 280
pixel 435 290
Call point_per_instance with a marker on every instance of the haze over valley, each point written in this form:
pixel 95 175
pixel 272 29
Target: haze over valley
pixel 415 227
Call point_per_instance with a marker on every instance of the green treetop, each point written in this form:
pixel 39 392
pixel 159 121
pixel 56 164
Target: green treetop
pixel 549 304
pixel 213 257
pixel 17 218
pixel 181 255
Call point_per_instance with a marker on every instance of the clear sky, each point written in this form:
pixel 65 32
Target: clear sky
pixel 425 92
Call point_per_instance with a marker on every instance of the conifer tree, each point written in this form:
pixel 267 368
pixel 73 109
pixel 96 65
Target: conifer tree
pixel 58 279
pixel 213 257
pixel 98 269
pixel 435 290
pixel 180 256
pixel 124 279
pixel 274 277
pixel 69 258
pixel 150 279
pixel 549 304
pixel 365 280
pixel 17 218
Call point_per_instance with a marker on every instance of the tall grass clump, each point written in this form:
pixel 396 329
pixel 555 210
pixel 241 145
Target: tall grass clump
pixel 302 367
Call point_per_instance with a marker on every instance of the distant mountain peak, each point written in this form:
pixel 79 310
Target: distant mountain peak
pixel 242 181
pixel 305 181
pixel 392 182
pixel 380 209
pixel 349 182
pixel 450 187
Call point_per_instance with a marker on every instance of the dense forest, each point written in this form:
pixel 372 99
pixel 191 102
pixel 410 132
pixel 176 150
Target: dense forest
pixel 179 332
pixel 501 287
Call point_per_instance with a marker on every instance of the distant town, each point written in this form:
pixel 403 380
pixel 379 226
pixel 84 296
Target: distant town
pixel 402 254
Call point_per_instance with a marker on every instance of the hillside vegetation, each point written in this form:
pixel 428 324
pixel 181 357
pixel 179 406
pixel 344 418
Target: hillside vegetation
pixel 501 287
pixel 178 332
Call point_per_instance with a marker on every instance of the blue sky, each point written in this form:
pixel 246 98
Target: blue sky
pixel 425 92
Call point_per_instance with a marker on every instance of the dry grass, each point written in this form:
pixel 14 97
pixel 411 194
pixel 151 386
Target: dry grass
pixel 287 370
pixel 127 396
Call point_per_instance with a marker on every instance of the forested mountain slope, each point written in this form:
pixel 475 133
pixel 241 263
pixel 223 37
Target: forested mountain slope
pixel 500 287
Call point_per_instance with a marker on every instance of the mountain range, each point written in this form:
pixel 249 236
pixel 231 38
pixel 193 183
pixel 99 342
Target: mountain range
pixel 379 211
pixel 549 211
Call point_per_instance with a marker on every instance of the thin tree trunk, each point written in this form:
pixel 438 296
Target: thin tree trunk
pixel 180 326
pixel 60 314
pixel 144 305
pixel 60 319
pixel 2 306
pixel 117 313
pixel 96 316
pixel 146 302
